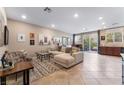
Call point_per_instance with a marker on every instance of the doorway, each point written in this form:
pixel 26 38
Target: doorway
pixel 90 41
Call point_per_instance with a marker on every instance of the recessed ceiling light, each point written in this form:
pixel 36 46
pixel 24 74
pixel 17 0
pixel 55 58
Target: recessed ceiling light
pixel 24 16
pixel 104 26
pixel 100 18
pixel 52 25
pixel 103 23
pixel 84 28
pixel 76 15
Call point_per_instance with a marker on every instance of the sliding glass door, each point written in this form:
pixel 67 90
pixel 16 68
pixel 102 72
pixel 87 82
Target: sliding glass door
pixel 90 42
pixel 86 43
pixel 93 42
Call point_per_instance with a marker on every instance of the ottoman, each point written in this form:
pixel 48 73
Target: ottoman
pixel 65 60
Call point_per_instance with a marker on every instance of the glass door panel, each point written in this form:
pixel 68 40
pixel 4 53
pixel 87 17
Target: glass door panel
pixel 86 43
pixel 94 42
pixel 90 42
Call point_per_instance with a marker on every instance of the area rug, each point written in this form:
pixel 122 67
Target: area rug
pixel 41 69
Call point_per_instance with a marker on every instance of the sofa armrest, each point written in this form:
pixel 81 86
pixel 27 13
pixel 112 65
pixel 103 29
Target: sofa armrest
pixel 78 56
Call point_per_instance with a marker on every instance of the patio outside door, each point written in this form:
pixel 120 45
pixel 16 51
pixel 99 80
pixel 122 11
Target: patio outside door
pixel 86 43
pixel 90 42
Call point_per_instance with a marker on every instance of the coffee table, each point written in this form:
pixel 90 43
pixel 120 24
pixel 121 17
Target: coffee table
pixel 42 56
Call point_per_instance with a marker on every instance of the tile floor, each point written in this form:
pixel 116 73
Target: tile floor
pixel 94 70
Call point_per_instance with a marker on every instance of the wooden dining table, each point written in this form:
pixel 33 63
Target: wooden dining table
pixel 19 67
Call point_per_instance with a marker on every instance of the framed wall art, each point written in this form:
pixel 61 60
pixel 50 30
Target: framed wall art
pixel 32 42
pixel 6 35
pixel 21 37
pixel 32 36
pixel 45 40
pixel 78 39
pixel 102 37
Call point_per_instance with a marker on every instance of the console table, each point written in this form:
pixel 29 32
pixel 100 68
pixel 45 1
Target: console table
pixel 19 67
pixel 112 51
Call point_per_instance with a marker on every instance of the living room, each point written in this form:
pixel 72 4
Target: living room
pixel 59 49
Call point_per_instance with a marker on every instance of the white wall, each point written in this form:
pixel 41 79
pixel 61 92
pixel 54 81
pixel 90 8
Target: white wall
pixel 17 27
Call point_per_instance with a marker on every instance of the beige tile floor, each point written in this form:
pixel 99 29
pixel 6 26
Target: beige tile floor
pixel 95 70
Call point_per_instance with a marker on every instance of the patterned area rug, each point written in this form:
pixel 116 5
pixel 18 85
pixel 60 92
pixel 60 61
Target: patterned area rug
pixel 41 69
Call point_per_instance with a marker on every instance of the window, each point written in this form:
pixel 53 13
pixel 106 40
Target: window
pixel 118 36
pixel 78 39
pixel 109 37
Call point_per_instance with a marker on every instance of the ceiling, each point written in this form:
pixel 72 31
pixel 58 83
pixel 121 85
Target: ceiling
pixel 87 18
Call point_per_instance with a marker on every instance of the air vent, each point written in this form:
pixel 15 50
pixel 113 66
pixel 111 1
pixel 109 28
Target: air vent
pixel 48 10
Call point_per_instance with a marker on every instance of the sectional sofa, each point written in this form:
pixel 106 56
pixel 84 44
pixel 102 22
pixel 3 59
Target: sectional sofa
pixel 68 57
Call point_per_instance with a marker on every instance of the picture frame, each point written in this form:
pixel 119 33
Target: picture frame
pixel 45 40
pixel 40 39
pixel 32 36
pixel 78 39
pixel 32 42
pixel 21 37
pixel 64 41
pixel 6 35
pixel 102 37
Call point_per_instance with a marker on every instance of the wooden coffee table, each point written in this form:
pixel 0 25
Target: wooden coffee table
pixel 19 67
